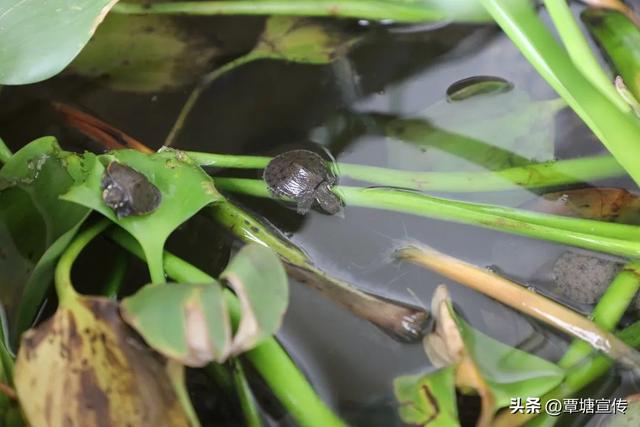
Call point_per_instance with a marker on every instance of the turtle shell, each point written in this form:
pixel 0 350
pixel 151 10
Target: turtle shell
pixel 128 192
pixel 297 174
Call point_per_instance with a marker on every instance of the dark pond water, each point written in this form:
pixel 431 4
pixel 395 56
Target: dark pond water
pixel 268 107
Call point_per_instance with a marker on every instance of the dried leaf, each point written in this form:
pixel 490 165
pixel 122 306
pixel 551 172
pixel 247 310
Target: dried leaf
pixel 83 367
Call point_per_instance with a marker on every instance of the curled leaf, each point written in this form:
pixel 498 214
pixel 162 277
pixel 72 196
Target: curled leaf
pixel 188 323
pixel 84 367
pixel 260 283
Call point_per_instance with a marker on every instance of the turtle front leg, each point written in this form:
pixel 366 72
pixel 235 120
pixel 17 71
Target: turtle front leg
pixel 328 201
pixel 304 204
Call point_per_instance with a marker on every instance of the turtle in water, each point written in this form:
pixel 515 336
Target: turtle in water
pixel 128 192
pixel 303 176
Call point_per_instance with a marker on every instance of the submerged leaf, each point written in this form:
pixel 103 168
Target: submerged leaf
pixel 84 367
pixel 144 54
pixel 188 323
pixel 301 40
pixel 35 225
pixel 428 399
pixel 605 204
pixel 185 189
pixel 260 282
pixel 39 38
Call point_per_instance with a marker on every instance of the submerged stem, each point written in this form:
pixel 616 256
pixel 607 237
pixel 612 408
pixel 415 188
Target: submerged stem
pixel 64 287
pixel 197 91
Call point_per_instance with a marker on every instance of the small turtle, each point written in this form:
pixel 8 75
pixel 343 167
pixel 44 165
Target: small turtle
pixel 128 192
pixel 303 176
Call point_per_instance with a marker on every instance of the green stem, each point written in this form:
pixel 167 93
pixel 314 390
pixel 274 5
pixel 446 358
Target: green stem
pixel 116 277
pixel 247 401
pixel 580 52
pixel 618 131
pixel 588 234
pixel 270 359
pixel 64 288
pixel 193 98
pixel 398 10
pixel 5 153
pixel 531 176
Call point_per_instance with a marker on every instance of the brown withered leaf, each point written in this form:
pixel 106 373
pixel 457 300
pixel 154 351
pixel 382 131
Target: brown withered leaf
pixel 606 204
pixel 84 367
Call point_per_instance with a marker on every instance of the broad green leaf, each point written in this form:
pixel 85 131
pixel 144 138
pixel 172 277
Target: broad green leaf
pixel 428 399
pixel 259 280
pixel 186 322
pixel 185 189
pixel 300 40
pixel 85 367
pixel 35 226
pixel 39 38
pixel 620 40
pixel 144 54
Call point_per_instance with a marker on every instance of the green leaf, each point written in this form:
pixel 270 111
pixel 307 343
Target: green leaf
pixel 191 323
pixel 620 40
pixel 428 399
pixel 300 40
pixel 144 54
pixel 509 372
pixel 619 131
pixel 39 38
pixel 185 189
pixel 259 280
pixel 188 323
pixel 35 225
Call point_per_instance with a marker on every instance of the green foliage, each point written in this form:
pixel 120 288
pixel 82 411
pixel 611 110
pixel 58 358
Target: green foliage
pixel 184 186
pixel 428 399
pixel 191 322
pixel 620 40
pixel 39 38
pixel 619 131
pixel 509 372
pixel 35 225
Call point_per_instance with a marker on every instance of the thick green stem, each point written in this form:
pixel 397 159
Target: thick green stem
pixel 5 153
pixel 64 287
pixel 531 176
pixel 116 277
pixel 618 131
pixel 580 51
pixel 269 358
pixel 193 98
pixel 395 10
pixel 588 234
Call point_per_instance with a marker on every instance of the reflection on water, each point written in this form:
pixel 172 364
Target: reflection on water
pixel 347 108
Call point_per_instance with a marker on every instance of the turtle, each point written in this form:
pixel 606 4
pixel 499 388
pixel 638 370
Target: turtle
pixel 303 176
pixel 128 192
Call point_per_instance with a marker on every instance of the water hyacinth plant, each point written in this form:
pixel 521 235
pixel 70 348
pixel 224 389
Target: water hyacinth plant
pixel 133 342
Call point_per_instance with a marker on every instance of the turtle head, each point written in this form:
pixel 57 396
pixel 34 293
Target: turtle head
pixel 329 202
